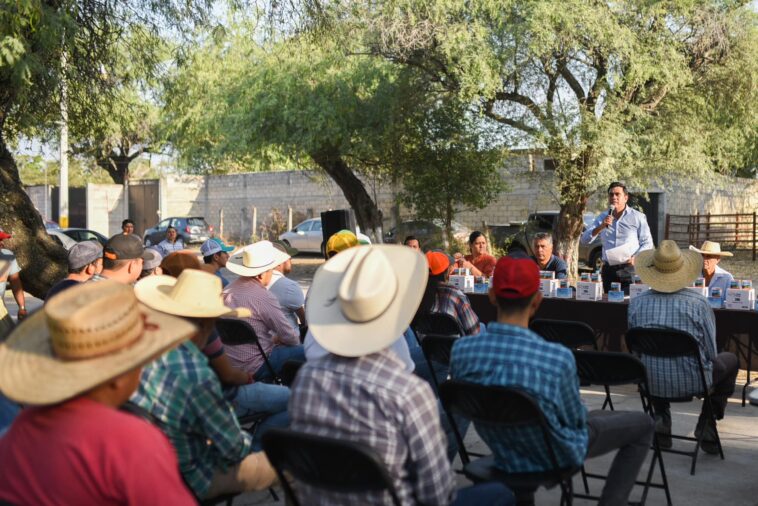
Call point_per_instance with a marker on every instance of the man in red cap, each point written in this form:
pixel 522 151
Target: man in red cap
pixel 509 354
pixel 9 272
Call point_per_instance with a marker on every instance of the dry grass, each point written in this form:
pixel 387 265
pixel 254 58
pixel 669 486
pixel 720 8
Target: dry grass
pixel 741 265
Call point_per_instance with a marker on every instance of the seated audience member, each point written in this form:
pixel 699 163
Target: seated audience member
pixel 441 297
pixel 215 255
pixel 715 276
pixel 10 272
pixel 183 392
pixel 509 354
pixel 171 243
pixel 360 301
pixel 542 245
pixel 174 263
pixel 412 242
pixel 669 305
pixel 85 260
pixel 74 363
pixel 122 259
pixel 280 341
pixel 478 261
pixel 248 396
pixel 287 291
pixel 151 265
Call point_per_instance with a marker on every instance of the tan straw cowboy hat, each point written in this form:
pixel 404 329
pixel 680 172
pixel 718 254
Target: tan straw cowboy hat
pixel 194 294
pixel 256 259
pixel 363 299
pixel 711 248
pixel 82 338
pixel 667 268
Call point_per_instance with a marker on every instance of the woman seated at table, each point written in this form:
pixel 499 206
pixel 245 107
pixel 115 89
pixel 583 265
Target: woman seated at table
pixel 478 261
pixel 715 276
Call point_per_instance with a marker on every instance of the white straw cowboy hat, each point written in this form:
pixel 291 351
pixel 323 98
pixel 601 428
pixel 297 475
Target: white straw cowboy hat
pixel 82 338
pixel 256 259
pixel 363 299
pixel 667 268
pixel 711 248
pixel 194 294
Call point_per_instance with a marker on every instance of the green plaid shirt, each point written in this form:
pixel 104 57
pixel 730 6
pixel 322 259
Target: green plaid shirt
pixel 184 394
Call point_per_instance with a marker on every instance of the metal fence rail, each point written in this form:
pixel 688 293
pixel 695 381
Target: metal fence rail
pixel 733 231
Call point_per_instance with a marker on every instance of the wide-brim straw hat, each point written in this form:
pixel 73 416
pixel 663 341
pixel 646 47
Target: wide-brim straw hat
pixel 194 294
pixel 256 259
pixel 363 299
pixel 667 268
pixel 711 248
pixel 82 338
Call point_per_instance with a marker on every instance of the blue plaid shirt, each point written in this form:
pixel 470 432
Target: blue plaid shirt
pixel 507 355
pixel 683 310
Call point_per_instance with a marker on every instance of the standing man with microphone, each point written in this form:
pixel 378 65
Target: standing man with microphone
pixel 624 232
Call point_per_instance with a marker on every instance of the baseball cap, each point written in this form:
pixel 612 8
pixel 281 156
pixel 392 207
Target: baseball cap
pixel 152 258
pixel 124 247
pixel 285 248
pixel 84 253
pixel 4 235
pixel 515 278
pixel 213 246
pixel 438 262
pixel 341 241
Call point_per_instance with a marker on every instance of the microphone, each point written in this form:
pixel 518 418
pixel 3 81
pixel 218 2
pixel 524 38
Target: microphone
pixel 610 210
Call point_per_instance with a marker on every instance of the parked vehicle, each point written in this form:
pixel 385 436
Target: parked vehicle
pixel 51 225
pixel 192 230
pixel 83 234
pixel 431 234
pixel 61 238
pixel 520 236
pixel 307 236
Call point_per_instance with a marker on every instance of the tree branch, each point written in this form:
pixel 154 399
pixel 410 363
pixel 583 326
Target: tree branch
pixel 519 125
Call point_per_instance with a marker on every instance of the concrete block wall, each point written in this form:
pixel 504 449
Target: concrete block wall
pixel 40 197
pixel 718 195
pixel 106 207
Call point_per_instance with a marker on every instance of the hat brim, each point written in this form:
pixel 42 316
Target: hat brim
pixel 30 374
pixel 692 268
pixel 155 292
pixel 235 265
pixel 711 253
pixel 346 338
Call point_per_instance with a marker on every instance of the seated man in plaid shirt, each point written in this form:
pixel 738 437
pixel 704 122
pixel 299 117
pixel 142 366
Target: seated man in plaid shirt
pixel 360 301
pixel 670 305
pixel 509 354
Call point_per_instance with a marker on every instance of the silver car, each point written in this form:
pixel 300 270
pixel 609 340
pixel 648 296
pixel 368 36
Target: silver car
pixel 307 236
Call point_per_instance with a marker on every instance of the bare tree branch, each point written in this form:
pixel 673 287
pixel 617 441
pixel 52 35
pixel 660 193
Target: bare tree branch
pixel 489 111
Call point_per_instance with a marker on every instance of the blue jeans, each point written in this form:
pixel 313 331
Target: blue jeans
pixel 485 494
pixel 278 356
pixel 260 398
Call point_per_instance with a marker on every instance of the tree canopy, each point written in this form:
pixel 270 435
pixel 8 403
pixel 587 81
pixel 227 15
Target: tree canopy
pixel 611 90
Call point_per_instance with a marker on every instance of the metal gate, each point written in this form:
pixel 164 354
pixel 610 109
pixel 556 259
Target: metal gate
pixel 77 206
pixel 143 204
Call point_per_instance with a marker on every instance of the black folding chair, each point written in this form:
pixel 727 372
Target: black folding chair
pixel 667 343
pixel 571 334
pixel 614 369
pixel 289 370
pixel 324 463
pixel 508 408
pixel 235 332
pixel 441 324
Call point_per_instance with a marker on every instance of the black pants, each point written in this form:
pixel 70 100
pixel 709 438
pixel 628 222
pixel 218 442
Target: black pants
pixel 725 368
pixel 617 274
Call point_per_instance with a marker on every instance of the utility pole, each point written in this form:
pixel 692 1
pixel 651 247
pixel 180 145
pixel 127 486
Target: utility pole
pixel 63 185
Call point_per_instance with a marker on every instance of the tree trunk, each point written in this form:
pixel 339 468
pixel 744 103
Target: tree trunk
pixel 366 211
pixel 42 261
pixel 574 196
pixel 116 166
